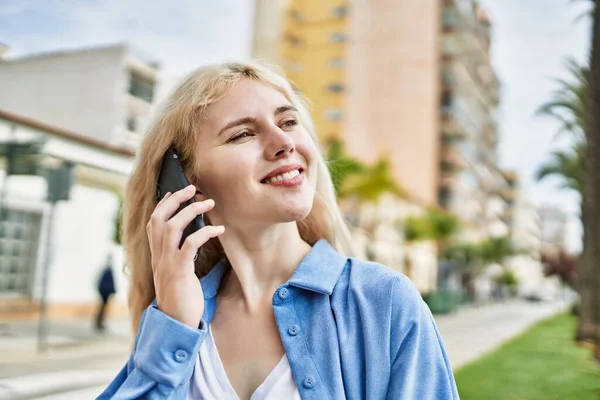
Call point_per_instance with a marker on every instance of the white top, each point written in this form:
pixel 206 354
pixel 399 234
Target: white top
pixel 210 381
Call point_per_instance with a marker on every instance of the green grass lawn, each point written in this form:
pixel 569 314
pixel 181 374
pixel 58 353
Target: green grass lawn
pixel 544 363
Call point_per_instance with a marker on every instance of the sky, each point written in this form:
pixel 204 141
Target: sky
pixel 531 39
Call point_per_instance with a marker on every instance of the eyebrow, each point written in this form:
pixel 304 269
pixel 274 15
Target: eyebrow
pixel 250 120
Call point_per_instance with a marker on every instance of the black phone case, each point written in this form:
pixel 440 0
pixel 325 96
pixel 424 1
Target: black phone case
pixel 172 179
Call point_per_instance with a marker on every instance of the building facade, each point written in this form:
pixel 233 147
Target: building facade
pixel 102 93
pixel 80 237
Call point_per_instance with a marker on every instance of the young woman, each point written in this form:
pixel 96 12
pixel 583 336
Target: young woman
pixel 271 308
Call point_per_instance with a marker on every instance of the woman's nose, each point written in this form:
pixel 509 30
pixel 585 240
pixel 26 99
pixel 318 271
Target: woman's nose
pixel 280 145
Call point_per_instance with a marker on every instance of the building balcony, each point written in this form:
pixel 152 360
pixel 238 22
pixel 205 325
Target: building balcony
pixel 508 195
pixel 456 122
pixel 462 34
pixel 451 161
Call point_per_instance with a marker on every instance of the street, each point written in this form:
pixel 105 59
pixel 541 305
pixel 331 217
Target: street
pixel 79 366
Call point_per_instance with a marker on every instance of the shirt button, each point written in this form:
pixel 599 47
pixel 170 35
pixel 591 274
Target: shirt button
pixel 309 382
pixel 180 356
pixel 283 293
pixel 293 330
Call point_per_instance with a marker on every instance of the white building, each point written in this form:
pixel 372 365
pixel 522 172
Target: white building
pixel 527 235
pixel 102 93
pixel 83 228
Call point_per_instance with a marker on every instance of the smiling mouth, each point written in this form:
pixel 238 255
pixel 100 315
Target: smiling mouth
pixel 285 177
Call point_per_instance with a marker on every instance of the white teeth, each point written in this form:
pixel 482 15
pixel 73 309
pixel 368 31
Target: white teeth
pixel 284 176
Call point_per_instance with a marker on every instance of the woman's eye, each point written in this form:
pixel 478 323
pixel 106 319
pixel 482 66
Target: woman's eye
pixel 242 135
pixel 290 123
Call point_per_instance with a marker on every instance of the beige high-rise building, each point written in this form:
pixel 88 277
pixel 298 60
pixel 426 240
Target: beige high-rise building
pixel 409 80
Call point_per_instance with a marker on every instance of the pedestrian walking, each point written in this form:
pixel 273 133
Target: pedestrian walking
pixel 106 288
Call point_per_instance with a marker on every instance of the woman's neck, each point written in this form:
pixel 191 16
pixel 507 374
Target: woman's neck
pixel 261 262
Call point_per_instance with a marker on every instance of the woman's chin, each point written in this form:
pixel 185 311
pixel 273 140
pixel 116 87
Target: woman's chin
pixel 291 214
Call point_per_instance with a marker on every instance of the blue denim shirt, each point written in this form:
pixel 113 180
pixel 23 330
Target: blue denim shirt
pixel 351 329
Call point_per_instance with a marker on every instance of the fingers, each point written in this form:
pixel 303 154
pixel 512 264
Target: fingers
pixel 169 206
pixel 197 239
pixel 165 197
pixel 177 224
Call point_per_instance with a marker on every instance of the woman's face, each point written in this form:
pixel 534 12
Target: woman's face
pixel 255 159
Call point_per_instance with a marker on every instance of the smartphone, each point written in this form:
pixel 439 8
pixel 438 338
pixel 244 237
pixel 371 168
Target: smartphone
pixel 172 179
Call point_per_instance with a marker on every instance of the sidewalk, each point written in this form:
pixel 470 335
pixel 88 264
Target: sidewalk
pixel 80 362
pixel 77 359
pixel 472 332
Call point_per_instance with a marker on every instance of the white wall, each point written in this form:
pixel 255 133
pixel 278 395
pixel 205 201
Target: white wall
pixel 81 239
pixel 77 91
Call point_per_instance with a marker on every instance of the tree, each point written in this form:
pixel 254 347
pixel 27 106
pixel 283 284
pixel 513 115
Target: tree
pixel 372 183
pixel 568 105
pixel 341 167
pixel 118 227
pixel 352 179
pixel 589 273
pixel 563 265
pixel 436 225
pixel 568 166
pixel 472 258
pixel 576 105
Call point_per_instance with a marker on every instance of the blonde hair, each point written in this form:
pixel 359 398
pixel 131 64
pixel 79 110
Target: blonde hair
pixel 177 124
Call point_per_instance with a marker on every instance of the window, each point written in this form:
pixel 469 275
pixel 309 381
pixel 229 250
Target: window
pixel 333 114
pixel 141 87
pixel 18 250
pixel 447 99
pixel 132 124
pixel 444 197
pixel 336 88
pixel 293 39
pixel 337 37
pixel 297 15
pixel 340 11
pixel 337 62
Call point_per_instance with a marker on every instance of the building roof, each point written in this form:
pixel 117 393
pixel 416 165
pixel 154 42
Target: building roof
pixel 129 49
pixel 99 144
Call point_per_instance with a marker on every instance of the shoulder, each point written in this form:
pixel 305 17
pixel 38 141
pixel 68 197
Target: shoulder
pixel 374 279
pixel 386 296
pixel 387 299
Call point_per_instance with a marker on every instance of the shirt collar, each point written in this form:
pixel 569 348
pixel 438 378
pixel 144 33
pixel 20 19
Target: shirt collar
pixel 319 271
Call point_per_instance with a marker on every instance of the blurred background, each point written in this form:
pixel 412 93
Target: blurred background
pixel 459 135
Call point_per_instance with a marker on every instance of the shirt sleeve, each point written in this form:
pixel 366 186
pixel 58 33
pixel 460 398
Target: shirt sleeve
pixel 419 367
pixel 163 358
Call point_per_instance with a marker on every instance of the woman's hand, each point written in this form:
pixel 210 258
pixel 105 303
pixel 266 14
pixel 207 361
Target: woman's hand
pixel 178 290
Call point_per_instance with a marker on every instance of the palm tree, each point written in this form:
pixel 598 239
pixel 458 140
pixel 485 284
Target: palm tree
pixel 352 179
pixel 566 165
pixel 575 105
pixel 340 165
pixel 589 274
pixel 373 182
pixel 568 105
pixel 435 225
